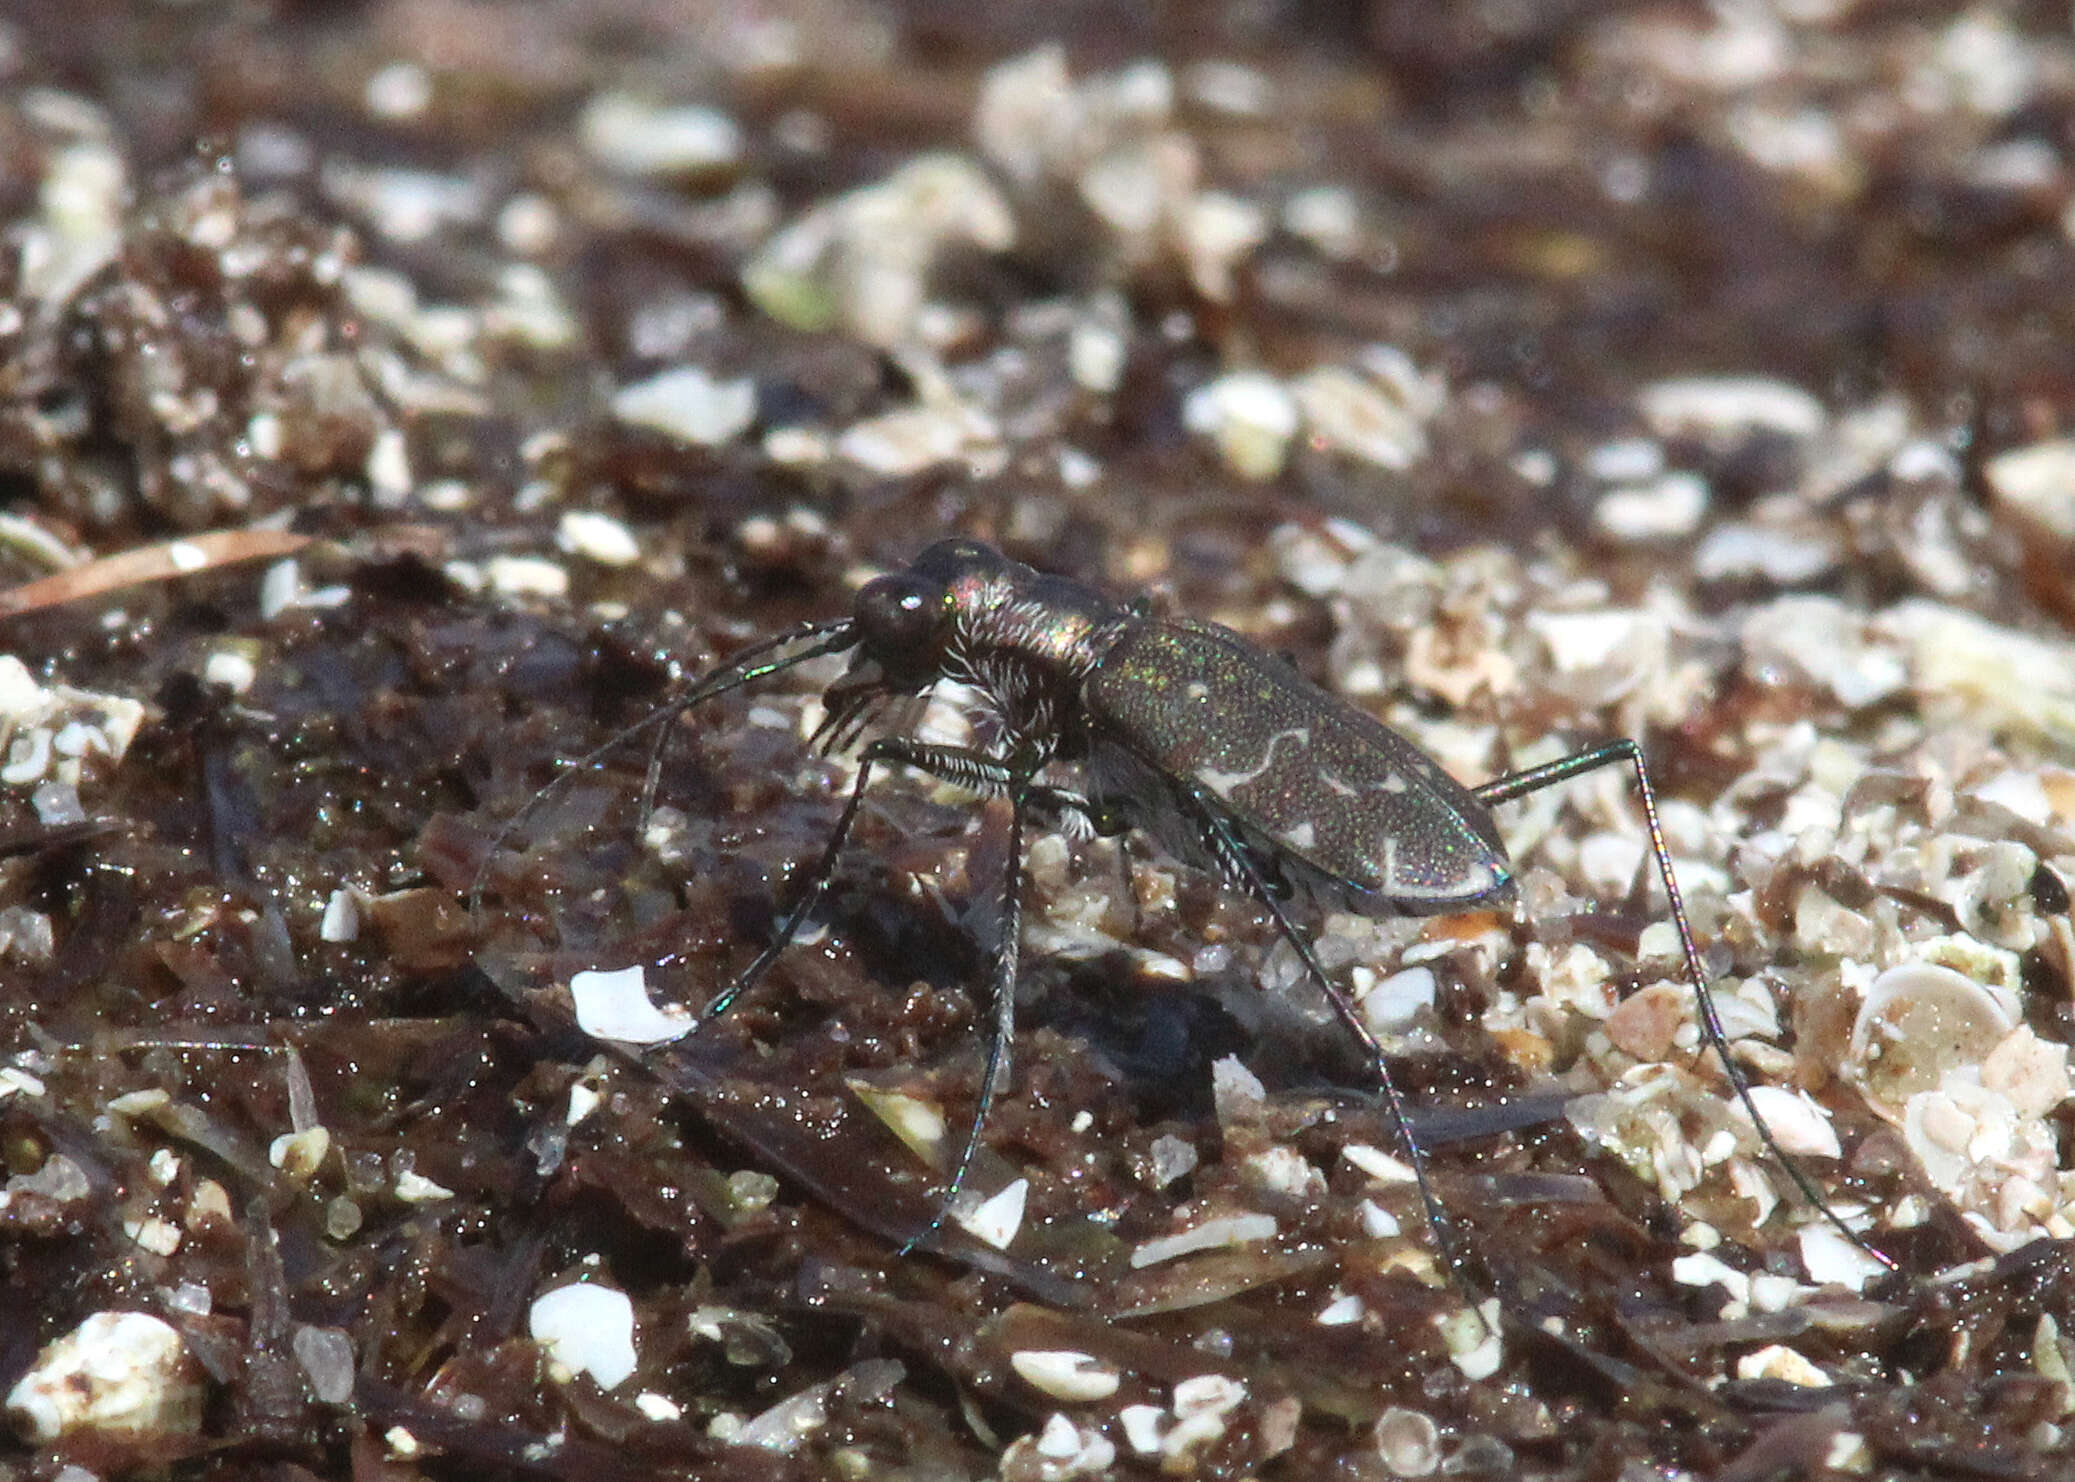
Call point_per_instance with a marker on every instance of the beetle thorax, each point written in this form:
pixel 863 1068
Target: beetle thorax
pixel 1026 643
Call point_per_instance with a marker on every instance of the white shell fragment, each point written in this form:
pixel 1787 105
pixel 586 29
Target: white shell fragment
pixel 1832 1260
pixel 689 404
pixel 300 1154
pixel 638 138
pixel 1381 1167
pixel 1212 1234
pixel 1993 677
pixel 1065 1374
pixel 413 1187
pixel 1251 417
pixel 1785 555
pixel 862 260
pixel 1663 1123
pixel 587 1329
pixel 1946 1057
pixel 1207 1394
pixel 910 440
pixel 1777 1361
pixel 1669 506
pixel 1918 1021
pixel 57 732
pixel 1394 1002
pixel 1342 1310
pixel 341 919
pixel 230 667
pixel 616 1006
pixel 121 1376
pixel 1378 1223
pixel 1474 1341
pixel 1059 1452
pixel 1799 1124
pixel 997 1218
pixel 600 537
pixel 1378 420
pixel 659 1408
pixel 918 1123
pixel 1820 640
pixel 1142 1427
pixel 1723 410
pixel 2037 482
pixel 1408 1441
pixel 527 576
pixel 1701 1268
pixel 1283 1171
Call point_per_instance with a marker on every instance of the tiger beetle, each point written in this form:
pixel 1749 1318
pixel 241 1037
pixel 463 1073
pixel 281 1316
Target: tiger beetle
pixel 1184 731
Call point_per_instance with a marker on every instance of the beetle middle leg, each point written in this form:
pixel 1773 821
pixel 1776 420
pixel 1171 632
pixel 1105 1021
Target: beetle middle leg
pixel 1232 855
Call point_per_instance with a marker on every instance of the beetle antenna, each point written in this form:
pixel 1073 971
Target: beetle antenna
pixel 746 667
pixel 1627 752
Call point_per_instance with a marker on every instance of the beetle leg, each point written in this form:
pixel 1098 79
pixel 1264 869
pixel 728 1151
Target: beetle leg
pixel 1626 752
pixel 1238 862
pixel 982 773
pixel 812 888
pixel 746 667
pixel 1008 949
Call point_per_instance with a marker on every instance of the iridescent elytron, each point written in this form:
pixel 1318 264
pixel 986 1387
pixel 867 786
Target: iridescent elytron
pixel 1185 731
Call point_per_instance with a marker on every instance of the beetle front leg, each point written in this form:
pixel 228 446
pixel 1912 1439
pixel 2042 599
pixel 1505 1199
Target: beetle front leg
pixel 988 774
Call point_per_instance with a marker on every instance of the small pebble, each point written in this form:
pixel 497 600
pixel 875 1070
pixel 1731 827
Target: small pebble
pixel 326 1356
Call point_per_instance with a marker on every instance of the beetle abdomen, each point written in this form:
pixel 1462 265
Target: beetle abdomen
pixel 1296 767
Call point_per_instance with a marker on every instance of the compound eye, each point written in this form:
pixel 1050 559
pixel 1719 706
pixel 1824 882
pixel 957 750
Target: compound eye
pixel 904 620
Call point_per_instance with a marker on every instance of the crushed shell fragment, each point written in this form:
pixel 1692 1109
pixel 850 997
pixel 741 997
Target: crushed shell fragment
pixel 1065 1374
pixel 118 1376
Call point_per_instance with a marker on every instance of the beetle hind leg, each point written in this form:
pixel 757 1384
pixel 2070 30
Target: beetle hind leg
pixel 1221 837
pixel 1626 752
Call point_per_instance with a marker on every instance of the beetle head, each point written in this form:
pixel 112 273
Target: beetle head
pixel 903 623
pixel 906 620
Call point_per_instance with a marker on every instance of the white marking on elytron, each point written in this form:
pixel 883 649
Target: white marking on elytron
pixel 1222 783
pixel 1303 836
pixel 1393 782
pixel 1481 879
pixel 1197 690
pixel 1344 789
